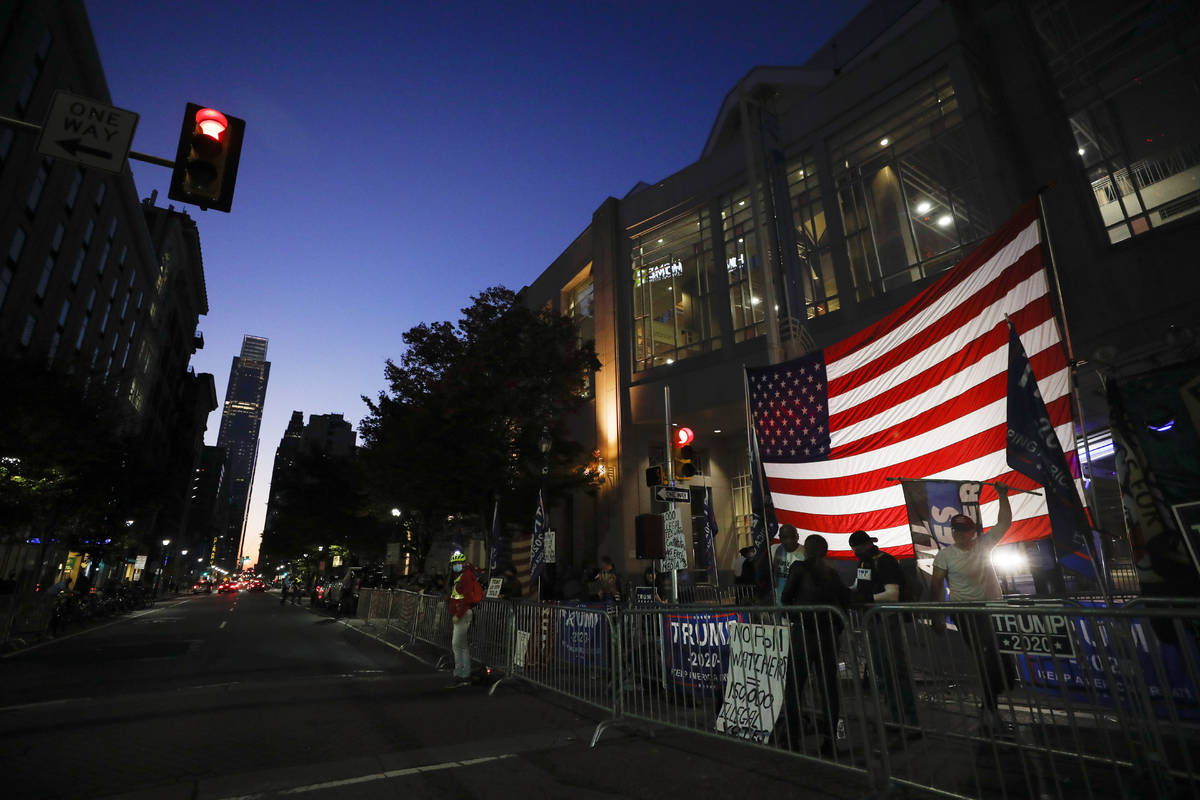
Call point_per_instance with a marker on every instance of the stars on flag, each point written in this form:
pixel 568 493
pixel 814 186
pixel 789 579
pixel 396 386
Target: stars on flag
pixel 790 411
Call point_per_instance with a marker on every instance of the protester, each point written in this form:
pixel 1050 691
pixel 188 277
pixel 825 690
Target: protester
pixel 786 553
pixel 284 587
pixel 811 581
pixel 465 594
pixel 879 579
pixel 510 585
pixel 966 569
pixel 743 567
pixel 608 583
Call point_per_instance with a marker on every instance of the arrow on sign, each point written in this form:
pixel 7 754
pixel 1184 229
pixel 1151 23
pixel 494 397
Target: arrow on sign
pixel 73 146
pixel 671 494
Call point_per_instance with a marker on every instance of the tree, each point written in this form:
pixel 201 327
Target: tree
pixel 72 468
pixel 466 405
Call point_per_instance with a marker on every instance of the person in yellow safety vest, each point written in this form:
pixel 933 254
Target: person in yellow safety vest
pixel 465 593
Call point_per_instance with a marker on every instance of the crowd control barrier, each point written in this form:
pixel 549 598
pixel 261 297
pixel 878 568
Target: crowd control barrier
pixel 1004 700
pixel 1036 700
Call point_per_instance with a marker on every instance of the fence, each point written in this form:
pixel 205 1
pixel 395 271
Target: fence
pixel 1007 700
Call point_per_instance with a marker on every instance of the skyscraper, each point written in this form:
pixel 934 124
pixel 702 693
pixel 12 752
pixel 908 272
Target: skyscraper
pixel 240 422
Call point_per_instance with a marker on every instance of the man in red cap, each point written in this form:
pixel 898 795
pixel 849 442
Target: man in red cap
pixel 966 569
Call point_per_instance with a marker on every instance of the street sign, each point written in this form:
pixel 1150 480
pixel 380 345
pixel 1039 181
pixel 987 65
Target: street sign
pixel 87 131
pixel 1033 634
pixel 672 494
pixel 674 544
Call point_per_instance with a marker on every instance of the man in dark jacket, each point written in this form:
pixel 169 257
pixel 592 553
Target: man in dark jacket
pixel 813 582
pixel 879 579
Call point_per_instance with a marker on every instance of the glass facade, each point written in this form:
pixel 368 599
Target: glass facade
pixel 908 190
pixel 672 293
pixel 1127 78
pixel 743 265
pixel 813 251
pixel 578 303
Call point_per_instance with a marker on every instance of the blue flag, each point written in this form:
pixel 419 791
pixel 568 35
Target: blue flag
pixel 710 535
pixel 494 544
pixel 1034 451
pixel 537 548
pixel 763 525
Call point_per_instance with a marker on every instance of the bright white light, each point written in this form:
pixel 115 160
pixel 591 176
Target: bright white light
pixel 166 542
pixel 1080 151
pixel 801 173
pixel 1009 560
pixel 883 142
pixel 183 552
pixel 755 301
pixel 741 202
pixel 670 361
pixel 944 220
pixel 924 206
pixel 660 241
pixel 718 430
pixel 395 512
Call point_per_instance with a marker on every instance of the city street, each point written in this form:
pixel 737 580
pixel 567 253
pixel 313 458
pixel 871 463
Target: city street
pixel 237 696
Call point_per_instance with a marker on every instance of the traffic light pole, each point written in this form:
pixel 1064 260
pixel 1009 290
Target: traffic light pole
pixel 670 477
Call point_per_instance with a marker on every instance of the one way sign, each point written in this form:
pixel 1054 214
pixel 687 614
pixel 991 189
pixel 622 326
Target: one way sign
pixel 86 131
pixel 672 494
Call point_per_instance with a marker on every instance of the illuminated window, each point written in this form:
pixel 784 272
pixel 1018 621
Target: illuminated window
pixel 911 207
pixel 1128 84
pixel 813 253
pixel 577 304
pixel 743 267
pixel 35 189
pixel 672 273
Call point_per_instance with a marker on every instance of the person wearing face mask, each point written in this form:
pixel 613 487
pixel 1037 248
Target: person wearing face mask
pixel 465 593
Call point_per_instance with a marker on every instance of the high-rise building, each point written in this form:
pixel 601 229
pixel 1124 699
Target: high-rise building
pixel 327 435
pixel 240 421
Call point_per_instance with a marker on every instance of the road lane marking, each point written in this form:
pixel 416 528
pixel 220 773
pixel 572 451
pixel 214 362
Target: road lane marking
pixel 223 624
pixel 376 776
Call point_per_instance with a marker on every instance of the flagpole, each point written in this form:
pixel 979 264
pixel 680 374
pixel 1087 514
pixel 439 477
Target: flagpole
pixel 756 468
pixel 956 480
pixel 1076 402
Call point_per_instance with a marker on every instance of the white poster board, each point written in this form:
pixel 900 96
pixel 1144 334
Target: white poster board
pixel 522 647
pixel 493 589
pixel 674 543
pixel 551 545
pixel 756 680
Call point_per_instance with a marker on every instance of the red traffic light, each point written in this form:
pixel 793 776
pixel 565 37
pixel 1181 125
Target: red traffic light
pixel 684 436
pixel 212 123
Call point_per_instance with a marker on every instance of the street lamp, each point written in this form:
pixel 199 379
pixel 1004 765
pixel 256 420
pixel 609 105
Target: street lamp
pixel 396 512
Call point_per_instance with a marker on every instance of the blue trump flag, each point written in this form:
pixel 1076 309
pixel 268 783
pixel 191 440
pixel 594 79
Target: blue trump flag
pixel 763 525
pixel 1034 451
pixel 537 548
pixel 710 535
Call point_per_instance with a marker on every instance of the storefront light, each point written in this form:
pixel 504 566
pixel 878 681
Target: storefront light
pixel 924 206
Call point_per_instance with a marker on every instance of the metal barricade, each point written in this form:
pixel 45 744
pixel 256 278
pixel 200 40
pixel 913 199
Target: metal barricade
pixel 400 625
pixel 568 649
pixel 1036 700
pixel 779 678
pixel 491 634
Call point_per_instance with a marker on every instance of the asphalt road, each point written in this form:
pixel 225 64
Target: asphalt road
pixel 210 697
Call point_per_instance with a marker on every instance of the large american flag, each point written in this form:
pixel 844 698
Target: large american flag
pixel 919 394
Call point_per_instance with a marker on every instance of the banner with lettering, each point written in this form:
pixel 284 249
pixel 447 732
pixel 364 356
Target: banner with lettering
pixel 755 681
pixel 583 634
pixel 931 504
pixel 1097 672
pixel 698 650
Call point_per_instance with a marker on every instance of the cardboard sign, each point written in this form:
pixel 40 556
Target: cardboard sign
pixel 493 589
pixel 756 680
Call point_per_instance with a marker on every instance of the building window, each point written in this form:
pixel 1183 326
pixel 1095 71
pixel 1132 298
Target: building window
pixel 44 279
pixel 6 277
pixel 53 351
pixel 16 246
pixel 6 139
pixel 27 331
pixel 103 258
pixel 78 268
pixel 35 188
pixel 73 191
pixel 112 229
pixel 741 491
pixel 1128 84
pixel 908 189
pixel 101 190
pixel 63 313
pixel 673 316
pixel 83 324
pixel 743 266
pixel 26 92
pixel 814 257
pixel 577 304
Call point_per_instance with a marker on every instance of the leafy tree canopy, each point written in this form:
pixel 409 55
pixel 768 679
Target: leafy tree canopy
pixel 465 407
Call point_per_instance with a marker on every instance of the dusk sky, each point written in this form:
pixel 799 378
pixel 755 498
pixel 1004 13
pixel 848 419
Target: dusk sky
pixel 401 157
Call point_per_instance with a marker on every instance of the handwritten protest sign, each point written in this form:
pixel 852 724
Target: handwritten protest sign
pixel 756 680
pixel 494 585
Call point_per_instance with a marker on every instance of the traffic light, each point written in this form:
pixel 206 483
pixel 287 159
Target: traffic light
pixel 206 162
pixel 654 476
pixel 684 468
